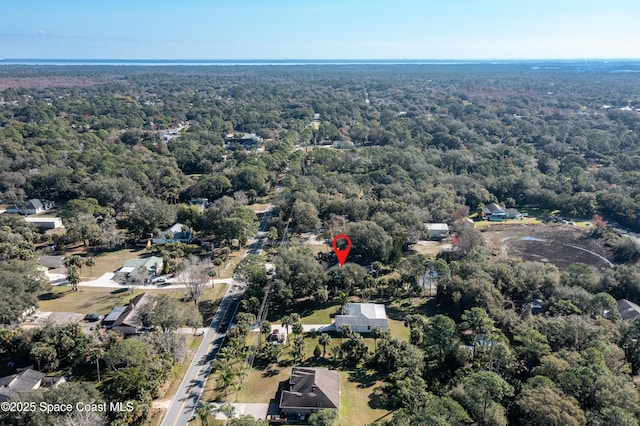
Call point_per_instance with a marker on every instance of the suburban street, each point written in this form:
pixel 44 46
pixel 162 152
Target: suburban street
pixel 185 402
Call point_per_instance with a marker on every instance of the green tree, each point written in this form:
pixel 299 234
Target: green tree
pixel 73 276
pixel 44 353
pixel 90 262
pixel 21 283
pixel 530 345
pixel 484 390
pixel 324 417
pixel 204 413
pixel 325 340
pixel 369 240
pixel 545 406
pixel 376 333
pixel 94 355
pixel 286 321
pixel 440 337
pixel 299 345
pixel 305 216
pixel 265 328
pixel 342 298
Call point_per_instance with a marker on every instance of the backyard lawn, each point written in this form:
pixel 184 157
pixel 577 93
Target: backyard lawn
pixel 360 389
pixel 101 300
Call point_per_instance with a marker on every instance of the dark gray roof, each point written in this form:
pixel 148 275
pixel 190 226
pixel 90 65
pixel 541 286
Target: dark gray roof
pixel 311 388
pixel 35 204
pixel 114 314
pixel 493 208
pixel 628 310
pixel 131 314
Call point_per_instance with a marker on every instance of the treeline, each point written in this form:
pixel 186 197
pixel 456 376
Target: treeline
pixel 508 133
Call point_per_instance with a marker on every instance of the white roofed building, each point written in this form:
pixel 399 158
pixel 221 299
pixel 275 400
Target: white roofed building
pixel 437 231
pixel 362 317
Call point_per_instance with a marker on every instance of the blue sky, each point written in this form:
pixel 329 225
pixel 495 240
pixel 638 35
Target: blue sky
pixel 330 29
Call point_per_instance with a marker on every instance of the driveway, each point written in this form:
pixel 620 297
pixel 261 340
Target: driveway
pixel 106 281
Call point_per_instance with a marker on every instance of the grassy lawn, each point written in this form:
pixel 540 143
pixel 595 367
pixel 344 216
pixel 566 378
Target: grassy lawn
pixel 105 261
pixel 101 300
pixel 427 248
pixel 226 270
pixel 520 221
pixel 360 398
pixel 258 207
pixel 361 389
pixel 311 312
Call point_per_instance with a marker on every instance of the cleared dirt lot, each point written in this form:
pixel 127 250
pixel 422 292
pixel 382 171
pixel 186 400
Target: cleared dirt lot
pixel 561 245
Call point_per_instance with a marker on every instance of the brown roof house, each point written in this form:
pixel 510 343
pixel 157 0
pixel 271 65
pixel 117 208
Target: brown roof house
pixel 26 381
pixel 130 319
pixel 310 390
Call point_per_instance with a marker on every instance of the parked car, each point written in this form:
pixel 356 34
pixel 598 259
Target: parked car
pixel 93 317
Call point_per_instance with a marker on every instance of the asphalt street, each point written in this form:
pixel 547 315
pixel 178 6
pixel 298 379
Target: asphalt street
pixel 185 402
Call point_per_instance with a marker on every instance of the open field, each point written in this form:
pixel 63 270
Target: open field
pixel 427 248
pixel 101 300
pixel 561 245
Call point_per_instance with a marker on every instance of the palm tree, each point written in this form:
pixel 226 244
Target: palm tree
pixel 345 331
pixel 297 329
pixel 265 328
pixel 225 378
pixel 376 333
pixel 298 348
pixel 90 262
pixel 204 411
pixel 95 354
pixel 342 298
pixel 324 340
pixel 286 322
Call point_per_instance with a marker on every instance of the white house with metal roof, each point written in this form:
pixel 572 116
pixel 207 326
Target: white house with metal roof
pixel 362 317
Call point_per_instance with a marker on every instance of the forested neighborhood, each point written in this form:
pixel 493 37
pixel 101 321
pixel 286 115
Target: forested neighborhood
pixel 492 209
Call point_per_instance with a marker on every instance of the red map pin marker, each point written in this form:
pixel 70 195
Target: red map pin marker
pixel 341 254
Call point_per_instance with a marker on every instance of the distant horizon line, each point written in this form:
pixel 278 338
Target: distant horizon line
pixel 595 59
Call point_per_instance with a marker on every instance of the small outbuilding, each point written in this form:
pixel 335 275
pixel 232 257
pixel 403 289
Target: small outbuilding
pixel 45 222
pixel 437 231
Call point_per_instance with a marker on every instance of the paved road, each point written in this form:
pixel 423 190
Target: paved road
pixel 185 401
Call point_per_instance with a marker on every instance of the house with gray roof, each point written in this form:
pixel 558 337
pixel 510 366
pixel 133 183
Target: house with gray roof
pixel 153 264
pixel 130 320
pixel 33 206
pixel 25 381
pixel 178 233
pixel 629 311
pixel 310 390
pixel 362 317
